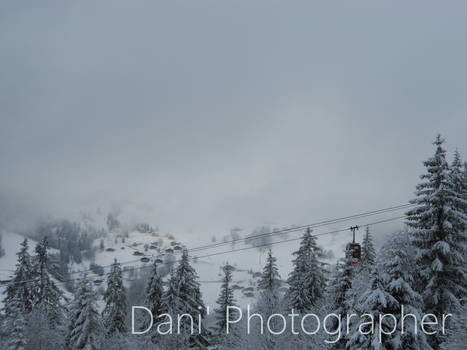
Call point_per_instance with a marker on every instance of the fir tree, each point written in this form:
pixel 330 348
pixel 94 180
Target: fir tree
pixel 341 283
pixel 458 179
pixel 397 261
pixel 154 295
pixel 225 300
pixel 307 281
pixel 458 334
pixel 340 292
pixel 115 303
pixel 184 297
pixel 2 251
pixel 19 289
pixel 46 296
pixel 375 302
pixel 269 301
pixel 368 251
pixel 16 337
pixel 436 223
pixel 270 278
pixel 86 329
pixel 154 292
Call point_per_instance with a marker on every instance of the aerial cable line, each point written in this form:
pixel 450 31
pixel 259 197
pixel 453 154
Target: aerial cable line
pixel 300 228
pixel 208 255
pixel 274 233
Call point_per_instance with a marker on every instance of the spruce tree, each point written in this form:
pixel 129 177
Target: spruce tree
pixel 269 301
pixel 225 300
pixel 368 251
pixel 154 295
pixel 458 334
pixel 375 302
pixel 306 281
pixel 16 336
pixel 85 329
pixel 436 225
pixel 183 296
pixel 457 175
pixel 46 295
pixel 270 278
pixel 397 260
pixel 115 303
pixel 154 291
pixel 2 251
pixel 341 296
pixel 341 283
pixel 18 291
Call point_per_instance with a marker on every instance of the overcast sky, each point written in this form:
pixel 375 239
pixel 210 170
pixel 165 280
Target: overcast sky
pixel 202 115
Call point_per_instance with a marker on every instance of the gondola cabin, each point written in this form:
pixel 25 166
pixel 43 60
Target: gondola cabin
pixel 356 252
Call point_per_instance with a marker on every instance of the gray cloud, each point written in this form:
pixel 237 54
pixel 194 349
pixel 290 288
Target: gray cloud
pixel 214 114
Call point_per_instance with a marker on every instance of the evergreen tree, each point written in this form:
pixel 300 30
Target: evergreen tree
pixel 375 302
pixel 458 179
pixel 16 337
pixel 436 228
pixel 225 300
pixel 86 329
pixel 115 303
pixel 184 297
pixel 2 251
pixel 307 281
pixel 154 295
pixel 397 261
pixel 368 251
pixel 340 292
pixel 458 335
pixel 18 290
pixel 269 301
pixel 154 292
pixel 46 296
pixel 270 278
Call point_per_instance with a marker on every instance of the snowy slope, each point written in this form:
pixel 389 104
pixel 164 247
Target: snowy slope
pixel 132 253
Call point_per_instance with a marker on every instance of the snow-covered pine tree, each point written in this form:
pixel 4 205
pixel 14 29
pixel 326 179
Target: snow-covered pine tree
pixel 186 280
pixel 16 336
pixel 435 225
pixel 18 290
pixel 115 310
pixel 397 261
pixel 307 280
pixel 154 295
pixel 375 302
pixel 46 296
pixel 341 298
pixel 457 175
pixel 458 334
pixel 183 296
pixel 465 176
pixel 225 300
pixel 270 278
pixel 154 292
pixel 170 296
pixel 86 331
pixel 269 302
pixel 368 251
pixel 2 251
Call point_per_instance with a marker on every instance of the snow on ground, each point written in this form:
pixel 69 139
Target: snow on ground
pixel 139 250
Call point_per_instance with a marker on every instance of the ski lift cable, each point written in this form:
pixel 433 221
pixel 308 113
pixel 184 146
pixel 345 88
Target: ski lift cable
pixel 211 254
pixel 300 228
pixel 273 233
